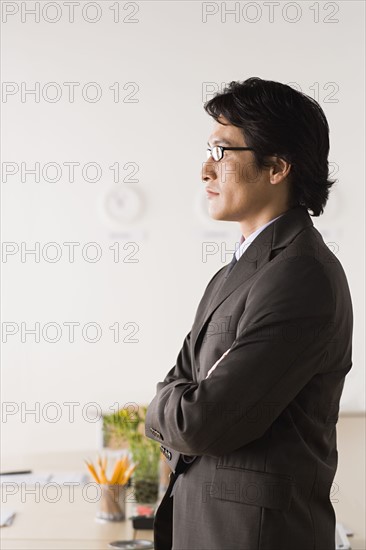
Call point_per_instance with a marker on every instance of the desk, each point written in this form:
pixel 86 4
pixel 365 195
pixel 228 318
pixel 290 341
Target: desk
pixel 62 519
pixel 348 497
pixel 72 526
pixel 63 524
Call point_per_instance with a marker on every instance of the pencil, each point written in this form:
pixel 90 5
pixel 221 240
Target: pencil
pixel 103 476
pixel 116 472
pixel 126 475
pixel 92 471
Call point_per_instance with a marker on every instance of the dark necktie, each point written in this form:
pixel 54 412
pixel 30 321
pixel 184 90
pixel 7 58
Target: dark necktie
pixel 234 260
pixel 231 265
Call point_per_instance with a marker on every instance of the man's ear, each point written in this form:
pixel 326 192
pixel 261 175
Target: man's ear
pixel 279 170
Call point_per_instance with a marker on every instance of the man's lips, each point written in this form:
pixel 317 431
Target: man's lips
pixel 210 192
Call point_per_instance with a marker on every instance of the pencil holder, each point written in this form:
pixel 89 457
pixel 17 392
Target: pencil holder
pixel 112 503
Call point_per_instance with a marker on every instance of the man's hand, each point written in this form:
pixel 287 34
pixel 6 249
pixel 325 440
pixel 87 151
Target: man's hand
pixel 217 362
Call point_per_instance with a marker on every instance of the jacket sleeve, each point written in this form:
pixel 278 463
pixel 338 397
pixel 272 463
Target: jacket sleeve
pixel 182 370
pixel 183 365
pixel 281 343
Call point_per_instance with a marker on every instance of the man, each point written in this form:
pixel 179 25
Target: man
pixel 247 416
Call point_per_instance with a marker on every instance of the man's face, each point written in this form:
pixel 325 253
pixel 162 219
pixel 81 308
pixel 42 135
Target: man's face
pixel 241 189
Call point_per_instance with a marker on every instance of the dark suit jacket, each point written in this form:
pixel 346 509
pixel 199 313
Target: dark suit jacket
pixel 261 430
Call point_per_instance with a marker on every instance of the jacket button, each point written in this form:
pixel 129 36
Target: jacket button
pixel 156 433
pixel 169 455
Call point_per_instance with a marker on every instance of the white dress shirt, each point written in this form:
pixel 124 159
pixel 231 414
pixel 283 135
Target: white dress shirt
pixel 244 243
pixel 240 249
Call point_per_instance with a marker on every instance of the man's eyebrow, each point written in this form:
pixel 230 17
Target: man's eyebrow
pixel 219 141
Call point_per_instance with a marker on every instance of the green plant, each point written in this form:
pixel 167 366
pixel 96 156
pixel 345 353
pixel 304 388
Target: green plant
pixel 146 454
pixel 128 426
pixel 119 426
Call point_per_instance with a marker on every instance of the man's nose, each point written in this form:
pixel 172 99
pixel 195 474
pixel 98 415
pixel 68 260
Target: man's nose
pixel 208 171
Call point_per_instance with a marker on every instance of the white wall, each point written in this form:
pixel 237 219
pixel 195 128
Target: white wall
pixel 173 57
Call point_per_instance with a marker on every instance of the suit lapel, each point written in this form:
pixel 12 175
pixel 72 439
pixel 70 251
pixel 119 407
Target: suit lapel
pixel 273 238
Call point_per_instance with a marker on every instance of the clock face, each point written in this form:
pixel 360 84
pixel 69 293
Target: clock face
pixel 123 204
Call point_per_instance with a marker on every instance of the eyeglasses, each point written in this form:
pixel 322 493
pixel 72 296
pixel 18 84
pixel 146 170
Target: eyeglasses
pixel 217 152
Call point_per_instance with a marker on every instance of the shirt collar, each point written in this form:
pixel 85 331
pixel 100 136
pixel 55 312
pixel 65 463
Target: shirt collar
pixel 244 243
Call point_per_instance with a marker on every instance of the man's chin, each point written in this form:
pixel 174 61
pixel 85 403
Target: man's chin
pixel 217 215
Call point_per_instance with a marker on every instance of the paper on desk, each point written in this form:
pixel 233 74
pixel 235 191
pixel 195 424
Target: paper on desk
pixel 28 479
pixel 6 517
pixel 69 477
pixel 45 477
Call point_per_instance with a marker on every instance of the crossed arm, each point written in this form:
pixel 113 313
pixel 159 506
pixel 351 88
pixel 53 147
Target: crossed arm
pixel 283 344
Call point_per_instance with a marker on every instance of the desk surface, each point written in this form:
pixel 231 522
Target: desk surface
pixel 65 525
pixel 59 517
pixel 62 519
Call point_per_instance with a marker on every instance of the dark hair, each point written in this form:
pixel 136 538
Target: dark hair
pixel 278 120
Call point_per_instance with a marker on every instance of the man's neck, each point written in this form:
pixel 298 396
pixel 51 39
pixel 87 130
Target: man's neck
pixel 249 225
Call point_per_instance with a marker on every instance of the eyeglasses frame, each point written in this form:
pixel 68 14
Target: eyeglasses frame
pixel 227 149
